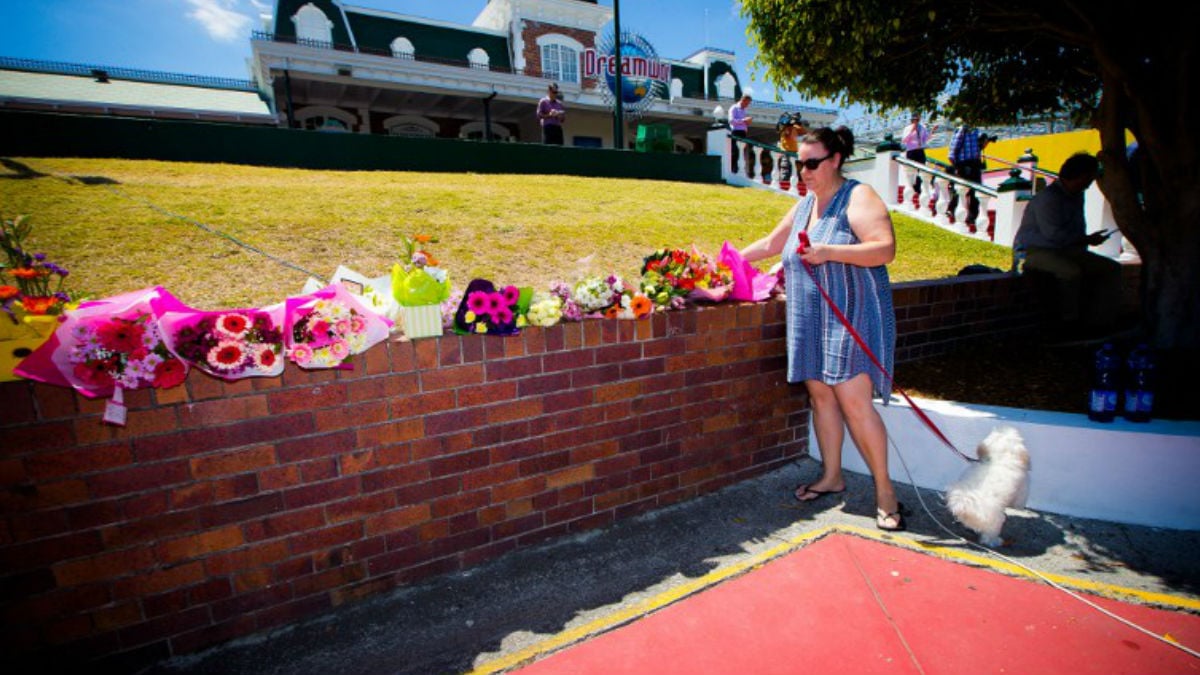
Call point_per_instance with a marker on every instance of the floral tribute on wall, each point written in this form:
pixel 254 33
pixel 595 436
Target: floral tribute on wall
pixel 39 288
pixel 106 346
pixel 124 350
pixel 486 310
pixel 230 344
pixel 420 286
pixel 671 276
pixel 149 338
pixel 326 327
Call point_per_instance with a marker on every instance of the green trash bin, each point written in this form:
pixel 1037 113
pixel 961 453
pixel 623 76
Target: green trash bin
pixel 654 138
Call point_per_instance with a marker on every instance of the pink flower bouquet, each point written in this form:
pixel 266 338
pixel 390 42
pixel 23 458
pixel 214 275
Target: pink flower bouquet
pixel 111 344
pixel 326 327
pixel 230 344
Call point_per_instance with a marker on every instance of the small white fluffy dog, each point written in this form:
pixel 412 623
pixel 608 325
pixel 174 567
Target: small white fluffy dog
pixel 998 480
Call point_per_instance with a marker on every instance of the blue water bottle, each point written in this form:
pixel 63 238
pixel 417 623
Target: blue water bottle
pixel 1102 399
pixel 1139 385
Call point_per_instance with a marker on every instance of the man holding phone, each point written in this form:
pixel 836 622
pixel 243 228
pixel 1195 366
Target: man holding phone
pixel 1054 236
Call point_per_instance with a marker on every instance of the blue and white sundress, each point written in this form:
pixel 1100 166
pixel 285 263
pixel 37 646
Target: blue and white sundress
pixel 818 346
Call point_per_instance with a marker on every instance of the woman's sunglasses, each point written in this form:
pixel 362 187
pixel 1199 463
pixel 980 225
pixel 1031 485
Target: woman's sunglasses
pixel 811 163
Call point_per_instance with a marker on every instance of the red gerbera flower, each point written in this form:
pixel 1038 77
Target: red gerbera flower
pixel 227 356
pixel 120 335
pixel 169 373
pixel 8 292
pixel 234 325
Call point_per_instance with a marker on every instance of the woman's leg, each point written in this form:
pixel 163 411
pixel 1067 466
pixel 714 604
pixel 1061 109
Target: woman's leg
pixel 829 428
pixel 869 434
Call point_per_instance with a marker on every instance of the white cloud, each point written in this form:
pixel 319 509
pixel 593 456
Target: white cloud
pixel 220 18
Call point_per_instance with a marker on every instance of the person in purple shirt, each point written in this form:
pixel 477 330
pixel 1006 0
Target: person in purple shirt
pixel 551 112
pixel 739 123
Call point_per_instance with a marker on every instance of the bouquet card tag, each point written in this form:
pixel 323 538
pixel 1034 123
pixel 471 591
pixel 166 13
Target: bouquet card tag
pixel 115 412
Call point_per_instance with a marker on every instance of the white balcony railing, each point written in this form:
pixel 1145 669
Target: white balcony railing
pixel 893 176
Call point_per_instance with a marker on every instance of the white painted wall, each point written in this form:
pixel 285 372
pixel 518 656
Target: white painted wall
pixel 1144 474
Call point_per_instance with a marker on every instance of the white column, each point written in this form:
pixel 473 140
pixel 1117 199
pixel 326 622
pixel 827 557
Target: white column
pixel 1010 208
pixel 775 155
pixel 943 202
pixel 960 213
pixel 981 218
pixel 717 143
pixel 885 177
pixel 757 151
pixel 907 192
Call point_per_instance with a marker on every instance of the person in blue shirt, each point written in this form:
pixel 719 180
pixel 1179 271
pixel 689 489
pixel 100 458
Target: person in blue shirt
pixel 966 160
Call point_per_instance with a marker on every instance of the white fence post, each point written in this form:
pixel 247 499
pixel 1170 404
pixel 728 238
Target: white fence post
pixel 886 178
pixel 1010 207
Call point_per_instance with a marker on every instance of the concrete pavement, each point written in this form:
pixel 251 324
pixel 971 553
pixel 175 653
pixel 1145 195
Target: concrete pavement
pixel 535 600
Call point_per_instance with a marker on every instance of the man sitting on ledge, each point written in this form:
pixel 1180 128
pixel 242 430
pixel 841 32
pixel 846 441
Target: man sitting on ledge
pixel 1053 234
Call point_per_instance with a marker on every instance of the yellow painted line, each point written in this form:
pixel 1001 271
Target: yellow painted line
pixel 983 560
pixel 652 604
pixel 647 606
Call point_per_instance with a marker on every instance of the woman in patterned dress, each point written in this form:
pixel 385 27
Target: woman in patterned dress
pixel 851 240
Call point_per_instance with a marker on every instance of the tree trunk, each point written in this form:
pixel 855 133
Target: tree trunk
pixel 1171 277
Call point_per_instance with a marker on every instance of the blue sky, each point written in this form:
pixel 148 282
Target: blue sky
pixel 211 37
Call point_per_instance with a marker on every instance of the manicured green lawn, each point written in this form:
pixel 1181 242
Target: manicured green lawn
pixel 524 230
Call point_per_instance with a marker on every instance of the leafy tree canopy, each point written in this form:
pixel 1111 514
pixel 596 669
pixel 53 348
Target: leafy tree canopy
pixel 990 62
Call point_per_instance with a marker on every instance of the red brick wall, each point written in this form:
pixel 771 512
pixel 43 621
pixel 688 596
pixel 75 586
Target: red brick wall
pixel 227 508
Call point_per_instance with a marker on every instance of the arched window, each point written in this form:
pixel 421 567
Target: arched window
pixel 560 57
pixel 676 88
pixel 402 48
pixel 312 25
pixel 479 58
pixel 412 126
pixel 325 118
pixel 474 131
pixel 725 86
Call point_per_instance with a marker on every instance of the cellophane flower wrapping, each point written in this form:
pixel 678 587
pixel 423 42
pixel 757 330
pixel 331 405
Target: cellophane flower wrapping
pixel 326 327
pixel 749 285
pixel 116 342
pixel 230 344
pixel 420 286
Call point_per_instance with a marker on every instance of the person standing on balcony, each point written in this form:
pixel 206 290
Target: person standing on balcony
pixel 851 240
pixel 551 112
pixel 914 138
pixel 789 135
pixel 1054 236
pixel 966 160
pixel 739 124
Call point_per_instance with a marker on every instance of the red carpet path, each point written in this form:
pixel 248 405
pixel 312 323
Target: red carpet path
pixel 850 605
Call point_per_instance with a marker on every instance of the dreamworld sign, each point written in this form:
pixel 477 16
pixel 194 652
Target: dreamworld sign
pixel 643 74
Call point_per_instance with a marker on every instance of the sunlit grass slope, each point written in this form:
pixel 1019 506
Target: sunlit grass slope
pixel 120 225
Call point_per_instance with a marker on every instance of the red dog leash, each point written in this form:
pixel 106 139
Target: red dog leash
pixel 805 244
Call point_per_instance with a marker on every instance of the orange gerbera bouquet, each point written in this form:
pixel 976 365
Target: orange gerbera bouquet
pixel 39 282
